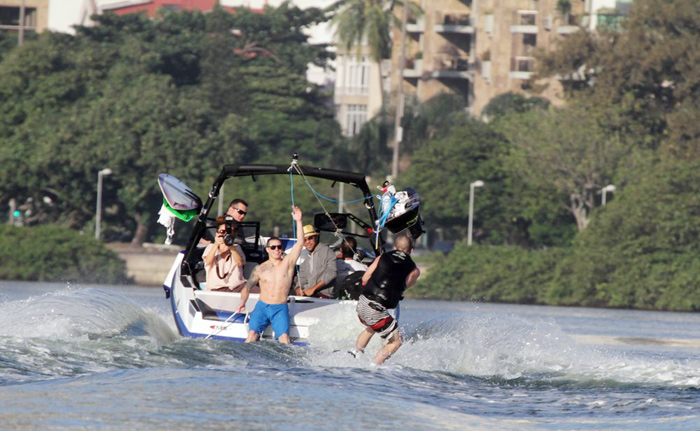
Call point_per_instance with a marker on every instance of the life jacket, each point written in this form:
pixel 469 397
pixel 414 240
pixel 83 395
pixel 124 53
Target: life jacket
pixel 388 280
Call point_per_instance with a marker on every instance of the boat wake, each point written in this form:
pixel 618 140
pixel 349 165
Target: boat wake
pixel 502 349
pixel 76 332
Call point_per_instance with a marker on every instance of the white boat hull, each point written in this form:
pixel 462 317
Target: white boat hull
pixel 211 314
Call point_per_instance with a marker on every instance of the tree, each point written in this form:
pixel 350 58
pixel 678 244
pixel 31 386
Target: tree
pixel 360 22
pixel 369 22
pixel 433 119
pixel 512 103
pixel 441 173
pixel 566 149
pixel 641 250
pixel 182 94
pixel 649 69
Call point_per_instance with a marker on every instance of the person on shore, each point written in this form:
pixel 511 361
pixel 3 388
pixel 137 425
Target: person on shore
pixel 224 263
pixel 384 283
pixel 275 278
pixel 318 271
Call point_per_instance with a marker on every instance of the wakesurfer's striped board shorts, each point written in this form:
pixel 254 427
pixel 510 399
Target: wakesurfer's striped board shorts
pixel 375 317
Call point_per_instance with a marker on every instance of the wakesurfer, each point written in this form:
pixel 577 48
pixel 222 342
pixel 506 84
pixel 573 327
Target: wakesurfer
pixel 383 285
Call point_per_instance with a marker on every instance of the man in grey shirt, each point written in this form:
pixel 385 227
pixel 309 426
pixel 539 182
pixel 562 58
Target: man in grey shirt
pixel 317 272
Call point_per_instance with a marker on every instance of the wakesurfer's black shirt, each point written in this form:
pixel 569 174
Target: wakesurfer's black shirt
pixel 388 280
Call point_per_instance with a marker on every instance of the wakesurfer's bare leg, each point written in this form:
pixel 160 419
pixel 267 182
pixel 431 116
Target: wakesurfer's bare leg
pixel 363 340
pixel 389 349
pixel 284 339
pixel 252 336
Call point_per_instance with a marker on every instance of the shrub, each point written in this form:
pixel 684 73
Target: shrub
pixel 52 253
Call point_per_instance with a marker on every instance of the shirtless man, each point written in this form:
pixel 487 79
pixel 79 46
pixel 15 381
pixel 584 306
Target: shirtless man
pixel 275 277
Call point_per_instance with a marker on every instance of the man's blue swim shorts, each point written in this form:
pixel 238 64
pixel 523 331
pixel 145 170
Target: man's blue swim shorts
pixel 265 314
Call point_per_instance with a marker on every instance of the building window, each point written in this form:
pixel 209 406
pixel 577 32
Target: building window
pixel 356 116
pixel 356 75
pixel 9 18
pixel 530 40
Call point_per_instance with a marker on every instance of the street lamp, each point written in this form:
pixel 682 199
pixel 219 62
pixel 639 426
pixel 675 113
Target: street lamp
pixel 604 191
pixel 477 183
pixel 98 210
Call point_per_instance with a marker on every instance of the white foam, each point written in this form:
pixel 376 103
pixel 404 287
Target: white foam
pixel 498 346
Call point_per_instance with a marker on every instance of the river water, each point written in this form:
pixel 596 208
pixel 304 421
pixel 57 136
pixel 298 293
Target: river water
pixel 109 357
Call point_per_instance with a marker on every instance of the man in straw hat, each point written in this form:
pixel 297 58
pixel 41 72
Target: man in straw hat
pixel 318 271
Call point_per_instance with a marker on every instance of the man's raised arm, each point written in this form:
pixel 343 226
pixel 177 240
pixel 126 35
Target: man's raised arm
pixel 295 252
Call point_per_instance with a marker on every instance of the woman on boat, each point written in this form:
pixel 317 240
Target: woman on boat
pixel 223 259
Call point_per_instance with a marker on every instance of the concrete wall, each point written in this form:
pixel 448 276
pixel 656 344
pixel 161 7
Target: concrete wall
pixel 147 265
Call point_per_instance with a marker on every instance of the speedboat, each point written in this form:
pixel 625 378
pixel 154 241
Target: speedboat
pixel 212 314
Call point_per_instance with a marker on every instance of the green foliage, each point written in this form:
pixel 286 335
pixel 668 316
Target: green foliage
pixel 433 119
pixel 52 253
pixel 513 103
pixel 565 150
pixel 183 94
pixel 489 273
pixel 7 42
pixel 359 22
pixel 641 251
pixel 444 169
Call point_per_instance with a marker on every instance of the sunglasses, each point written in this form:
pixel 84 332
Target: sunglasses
pixel 275 247
pixel 241 212
pixel 221 231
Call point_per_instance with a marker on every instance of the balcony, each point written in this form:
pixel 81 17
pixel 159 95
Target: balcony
pixel 415 25
pixel 452 67
pixel 413 69
pixel 525 22
pixel 569 25
pixel 521 67
pixel 454 23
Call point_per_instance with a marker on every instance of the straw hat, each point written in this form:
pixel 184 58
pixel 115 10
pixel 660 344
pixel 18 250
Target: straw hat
pixel 309 231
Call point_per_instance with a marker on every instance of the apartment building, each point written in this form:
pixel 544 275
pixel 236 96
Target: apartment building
pixel 480 49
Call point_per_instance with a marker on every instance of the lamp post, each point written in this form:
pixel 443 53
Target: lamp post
pixel 98 210
pixel 472 186
pixel 604 191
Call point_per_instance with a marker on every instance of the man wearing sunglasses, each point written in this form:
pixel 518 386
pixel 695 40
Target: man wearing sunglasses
pixel 238 209
pixel 275 278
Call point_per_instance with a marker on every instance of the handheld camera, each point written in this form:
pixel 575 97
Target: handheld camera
pixel 229 236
